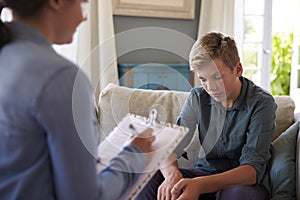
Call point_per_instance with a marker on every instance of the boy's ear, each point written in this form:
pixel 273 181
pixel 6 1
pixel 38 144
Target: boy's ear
pixel 55 4
pixel 238 69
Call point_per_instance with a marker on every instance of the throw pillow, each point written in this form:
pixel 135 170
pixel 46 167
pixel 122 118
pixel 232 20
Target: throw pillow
pixel 283 165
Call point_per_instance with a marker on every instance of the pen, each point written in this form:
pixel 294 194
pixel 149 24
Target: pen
pixel 131 127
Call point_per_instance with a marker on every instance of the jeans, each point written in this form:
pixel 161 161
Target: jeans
pixel 235 192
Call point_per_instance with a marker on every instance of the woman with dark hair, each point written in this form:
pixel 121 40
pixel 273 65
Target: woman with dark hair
pixel 48 130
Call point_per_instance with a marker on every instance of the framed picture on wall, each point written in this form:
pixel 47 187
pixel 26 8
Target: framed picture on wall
pixel 178 9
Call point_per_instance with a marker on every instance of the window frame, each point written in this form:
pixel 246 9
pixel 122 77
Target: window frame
pixel 264 61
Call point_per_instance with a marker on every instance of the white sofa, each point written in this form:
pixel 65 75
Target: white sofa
pixel 116 101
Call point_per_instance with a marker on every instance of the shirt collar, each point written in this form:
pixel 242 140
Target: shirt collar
pixel 239 103
pixel 24 31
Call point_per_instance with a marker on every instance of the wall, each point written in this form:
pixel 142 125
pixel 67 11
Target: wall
pixel 158 40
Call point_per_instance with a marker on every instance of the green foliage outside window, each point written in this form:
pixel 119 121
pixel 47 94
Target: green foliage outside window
pixel 281 63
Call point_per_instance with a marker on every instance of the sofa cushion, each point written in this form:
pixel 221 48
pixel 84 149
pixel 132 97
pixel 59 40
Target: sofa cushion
pixel 283 165
pixel 284 114
pixel 116 101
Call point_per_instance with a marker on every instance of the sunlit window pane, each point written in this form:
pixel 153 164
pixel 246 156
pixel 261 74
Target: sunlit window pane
pixel 253 28
pixel 253 75
pixel 251 55
pixel 299 55
pixel 254 7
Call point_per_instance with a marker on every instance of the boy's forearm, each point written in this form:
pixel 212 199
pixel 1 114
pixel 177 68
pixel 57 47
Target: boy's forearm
pixel 170 167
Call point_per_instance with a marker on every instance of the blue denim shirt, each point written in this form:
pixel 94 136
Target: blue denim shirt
pixel 48 130
pixel 231 137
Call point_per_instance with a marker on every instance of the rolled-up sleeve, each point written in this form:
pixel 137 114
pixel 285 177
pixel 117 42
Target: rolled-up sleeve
pixel 256 151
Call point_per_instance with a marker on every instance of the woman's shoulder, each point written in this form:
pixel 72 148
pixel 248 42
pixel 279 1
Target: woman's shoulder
pixel 33 50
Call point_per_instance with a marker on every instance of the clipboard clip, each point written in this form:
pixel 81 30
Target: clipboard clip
pixel 152 118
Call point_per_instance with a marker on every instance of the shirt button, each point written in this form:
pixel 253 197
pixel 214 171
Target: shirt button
pixel 221 138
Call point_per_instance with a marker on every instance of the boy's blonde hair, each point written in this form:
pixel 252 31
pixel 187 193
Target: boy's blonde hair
pixel 211 46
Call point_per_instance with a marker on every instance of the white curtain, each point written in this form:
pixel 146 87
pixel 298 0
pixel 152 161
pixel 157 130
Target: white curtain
pixel 96 52
pixel 216 15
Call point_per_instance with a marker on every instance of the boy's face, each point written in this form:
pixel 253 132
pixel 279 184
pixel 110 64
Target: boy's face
pixel 221 82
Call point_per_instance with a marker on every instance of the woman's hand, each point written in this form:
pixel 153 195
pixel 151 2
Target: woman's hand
pixel 144 140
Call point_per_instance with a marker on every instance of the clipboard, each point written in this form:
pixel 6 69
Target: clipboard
pixel 167 138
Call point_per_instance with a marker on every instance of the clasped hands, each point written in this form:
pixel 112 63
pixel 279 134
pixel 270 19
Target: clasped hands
pixel 178 188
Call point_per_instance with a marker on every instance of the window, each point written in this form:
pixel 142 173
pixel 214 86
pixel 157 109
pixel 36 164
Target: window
pixel 256 41
pixel 295 73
